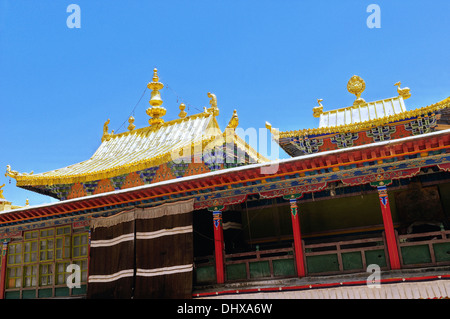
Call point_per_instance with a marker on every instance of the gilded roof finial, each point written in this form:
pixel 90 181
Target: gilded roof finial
pixel 182 113
pixel 10 172
pixel 317 110
pixel 1 192
pixel 272 130
pixel 404 93
pixel 27 202
pixel 156 111
pixel 234 121
pixel 131 121
pixel 106 135
pixel 214 110
pixel 356 86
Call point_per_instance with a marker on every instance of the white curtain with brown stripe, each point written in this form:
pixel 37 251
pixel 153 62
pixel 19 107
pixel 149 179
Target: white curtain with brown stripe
pixel 143 253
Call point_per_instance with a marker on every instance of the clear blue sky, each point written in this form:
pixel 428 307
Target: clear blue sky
pixel 270 60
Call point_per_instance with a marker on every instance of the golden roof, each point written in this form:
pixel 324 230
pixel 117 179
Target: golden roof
pixel 362 115
pixel 138 149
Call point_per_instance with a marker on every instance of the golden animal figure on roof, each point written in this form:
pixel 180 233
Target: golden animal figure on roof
pixel 213 102
pixel 234 121
pixel 10 172
pixel 403 92
pixel 106 135
pixel 317 110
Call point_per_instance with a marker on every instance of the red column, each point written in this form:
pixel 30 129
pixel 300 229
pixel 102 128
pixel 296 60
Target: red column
pixel 219 246
pixel 299 258
pixel 391 240
pixel 3 271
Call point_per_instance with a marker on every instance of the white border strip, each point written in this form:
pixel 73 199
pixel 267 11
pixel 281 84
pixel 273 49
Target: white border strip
pixel 164 232
pixel 164 271
pixel 141 235
pixel 112 277
pixel 231 225
pixel 112 242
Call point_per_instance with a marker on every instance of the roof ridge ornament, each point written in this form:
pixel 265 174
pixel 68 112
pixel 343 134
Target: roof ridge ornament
pixel 182 113
pixel 356 85
pixel 131 121
pixel 403 92
pixel 156 111
pixel 214 110
pixel 234 121
pixel 318 110
pixel 106 135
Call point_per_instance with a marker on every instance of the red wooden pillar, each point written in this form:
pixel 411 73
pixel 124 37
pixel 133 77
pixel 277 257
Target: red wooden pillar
pixel 391 240
pixel 3 270
pixel 219 246
pixel 298 247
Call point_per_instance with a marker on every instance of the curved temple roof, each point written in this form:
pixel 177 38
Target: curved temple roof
pixel 362 115
pixel 138 149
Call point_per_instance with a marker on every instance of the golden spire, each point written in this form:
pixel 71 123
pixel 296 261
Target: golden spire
pixel 356 86
pixel 1 192
pixel 182 111
pixel 131 121
pixel 156 111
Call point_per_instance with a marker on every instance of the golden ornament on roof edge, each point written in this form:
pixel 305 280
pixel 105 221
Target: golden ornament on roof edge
pixel 317 110
pixel 403 92
pixel 182 113
pixel 356 85
pixel 131 126
pixel 214 110
pixel 156 111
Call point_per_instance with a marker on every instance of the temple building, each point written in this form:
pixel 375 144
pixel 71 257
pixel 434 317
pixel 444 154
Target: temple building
pixel 182 209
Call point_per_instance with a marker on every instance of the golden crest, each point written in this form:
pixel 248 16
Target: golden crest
pixel 356 85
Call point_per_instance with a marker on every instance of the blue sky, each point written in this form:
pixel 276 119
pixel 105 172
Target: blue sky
pixel 270 60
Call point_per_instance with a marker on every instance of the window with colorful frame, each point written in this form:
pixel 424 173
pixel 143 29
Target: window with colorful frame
pixel 14 254
pixel 46 274
pixel 14 277
pixel 41 258
pixel 63 241
pixel 80 245
pixel 30 251
pixel 29 276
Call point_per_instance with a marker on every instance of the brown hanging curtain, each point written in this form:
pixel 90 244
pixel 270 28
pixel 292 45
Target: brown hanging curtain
pixel 112 255
pixel 164 252
pixel 143 253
